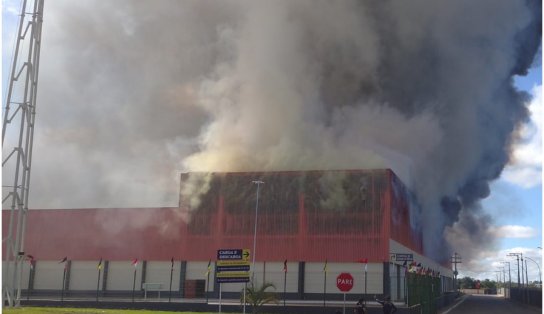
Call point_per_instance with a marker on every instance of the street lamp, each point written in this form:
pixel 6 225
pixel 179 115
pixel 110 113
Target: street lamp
pixel 255 231
pixel 539 274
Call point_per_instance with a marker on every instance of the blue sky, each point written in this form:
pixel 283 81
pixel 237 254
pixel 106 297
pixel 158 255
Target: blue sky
pixel 516 197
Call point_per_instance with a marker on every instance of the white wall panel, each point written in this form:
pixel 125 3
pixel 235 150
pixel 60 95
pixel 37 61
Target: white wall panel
pixel 159 272
pixel 84 275
pixel 48 275
pixel 121 274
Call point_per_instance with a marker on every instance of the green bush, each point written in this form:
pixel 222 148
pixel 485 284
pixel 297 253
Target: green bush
pixel 257 296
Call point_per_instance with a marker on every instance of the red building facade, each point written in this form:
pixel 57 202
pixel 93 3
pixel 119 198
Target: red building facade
pixel 312 216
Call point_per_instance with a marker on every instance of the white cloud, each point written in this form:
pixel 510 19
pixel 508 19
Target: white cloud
pixel 490 264
pixel 514 231
pixel 525 169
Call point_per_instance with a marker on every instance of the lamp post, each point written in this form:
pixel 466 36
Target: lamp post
pixel 539 273
pixel 255 230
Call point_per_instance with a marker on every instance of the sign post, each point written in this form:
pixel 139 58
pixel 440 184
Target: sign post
pixel 344 283
pixel 232 266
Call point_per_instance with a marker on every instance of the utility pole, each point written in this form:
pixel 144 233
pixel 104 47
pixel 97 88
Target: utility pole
pixel 504 281
pixel 517 255
pixel 17 142
pixel 526 275
pixel 522 277
pixel 509 277
pixel 455 259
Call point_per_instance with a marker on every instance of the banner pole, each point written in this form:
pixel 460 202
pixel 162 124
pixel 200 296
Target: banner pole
pixel 207 286
pixel 29 277
pixel 324 289
pixel 170 289
pixel 63 284
pixel 366 275
pixel 98 284
pixel 284 286
pixel 133 284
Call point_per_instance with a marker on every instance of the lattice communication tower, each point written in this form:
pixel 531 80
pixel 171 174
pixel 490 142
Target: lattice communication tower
pixel 17 138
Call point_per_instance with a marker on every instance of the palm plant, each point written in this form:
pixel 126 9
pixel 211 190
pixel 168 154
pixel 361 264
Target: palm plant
pixel 257 296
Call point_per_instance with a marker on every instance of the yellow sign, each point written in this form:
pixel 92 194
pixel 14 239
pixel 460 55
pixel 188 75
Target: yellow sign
pixel 231 274
pixel 232 263
pixel 246 254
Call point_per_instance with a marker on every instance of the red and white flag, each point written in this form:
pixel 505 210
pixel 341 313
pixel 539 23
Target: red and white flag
pixel 135 262
pixel 30 259
pixel 364 261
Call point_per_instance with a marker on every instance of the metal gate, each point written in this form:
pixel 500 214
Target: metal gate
pixel 423 290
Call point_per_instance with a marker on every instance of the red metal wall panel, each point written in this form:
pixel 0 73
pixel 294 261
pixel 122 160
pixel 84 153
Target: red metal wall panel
pixel 114 234
pixel 339 216
pixel 403 226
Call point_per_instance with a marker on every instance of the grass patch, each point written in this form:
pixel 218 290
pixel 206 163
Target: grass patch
pixel 64 310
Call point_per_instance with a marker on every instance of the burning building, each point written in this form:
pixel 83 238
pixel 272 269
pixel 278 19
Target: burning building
pixel 308 223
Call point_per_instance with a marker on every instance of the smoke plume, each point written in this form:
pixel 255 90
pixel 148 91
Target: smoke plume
pixel 134 92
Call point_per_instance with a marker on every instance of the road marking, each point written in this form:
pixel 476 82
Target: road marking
pixel 456 305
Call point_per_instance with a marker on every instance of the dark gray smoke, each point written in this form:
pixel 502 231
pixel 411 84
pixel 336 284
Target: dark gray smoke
pixel 134 92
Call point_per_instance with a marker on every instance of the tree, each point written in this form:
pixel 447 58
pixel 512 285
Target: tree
pixel 257 296
pixel 466 283
pixel 471 283
pixel 489 284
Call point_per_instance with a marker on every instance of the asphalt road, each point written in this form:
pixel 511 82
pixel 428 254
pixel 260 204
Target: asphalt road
pixel 489 304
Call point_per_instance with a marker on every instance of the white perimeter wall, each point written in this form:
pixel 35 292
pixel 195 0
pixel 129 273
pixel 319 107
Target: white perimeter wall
pixel 84 274
pixel 315 277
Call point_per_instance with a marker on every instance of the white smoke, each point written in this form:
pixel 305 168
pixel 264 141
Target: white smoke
pixel 134 92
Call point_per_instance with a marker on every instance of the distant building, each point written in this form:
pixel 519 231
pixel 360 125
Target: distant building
pixel 317 221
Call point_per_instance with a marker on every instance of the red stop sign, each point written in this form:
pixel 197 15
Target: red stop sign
pixel 344 282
